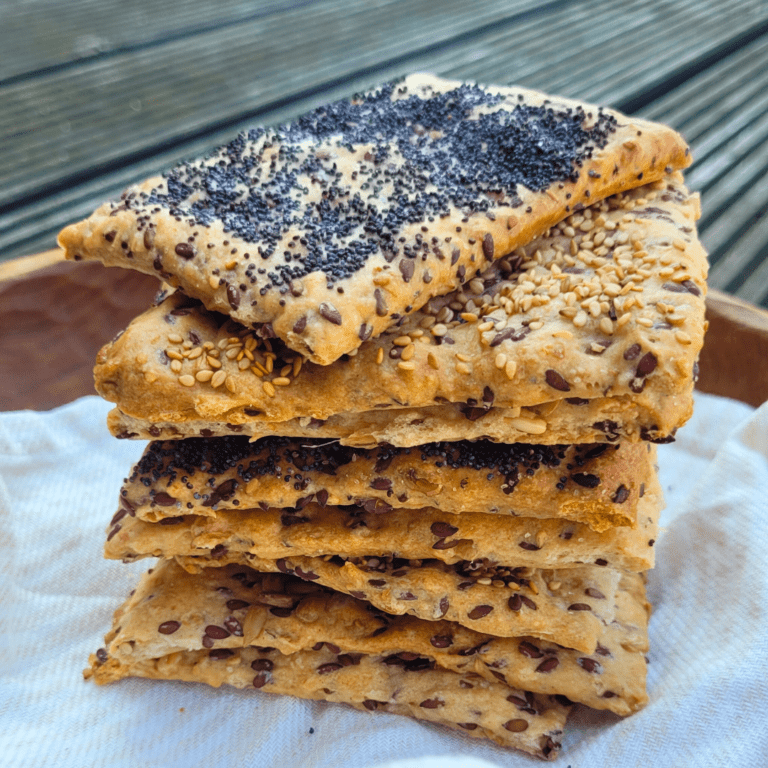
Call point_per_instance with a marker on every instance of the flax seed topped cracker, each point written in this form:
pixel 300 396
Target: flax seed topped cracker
pixel 169 630
pixel 314 530
pixel 230 608
pixel 326 231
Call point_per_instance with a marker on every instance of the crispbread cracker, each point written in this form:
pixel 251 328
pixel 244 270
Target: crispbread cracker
pixel 541 335
pixel 570 607
pixel 292 616
pixel 558 422
pixel 598 485
pixel 160 614
pixel 486 710
pixel 328 230
pixel 408 533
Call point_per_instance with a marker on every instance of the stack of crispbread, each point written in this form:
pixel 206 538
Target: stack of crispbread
pixel 403 401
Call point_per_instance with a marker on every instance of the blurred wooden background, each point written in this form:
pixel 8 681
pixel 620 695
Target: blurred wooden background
pixel 97 94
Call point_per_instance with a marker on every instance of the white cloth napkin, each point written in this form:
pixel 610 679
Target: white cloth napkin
pixel 59 478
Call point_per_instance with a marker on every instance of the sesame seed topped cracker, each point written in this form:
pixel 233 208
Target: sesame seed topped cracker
pixel 590 332
pixel 326 231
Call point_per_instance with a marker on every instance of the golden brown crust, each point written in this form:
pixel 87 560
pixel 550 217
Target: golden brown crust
pixel 504 602
pixel 604 419
pixel 308 617
pixel 624 327
pixel 325 311
pixel 598 485
pixel 406 533
pixel 434 695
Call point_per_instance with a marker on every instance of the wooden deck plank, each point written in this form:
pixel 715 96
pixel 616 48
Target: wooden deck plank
pixel 136 104
pixel 104 111
pixel 46 34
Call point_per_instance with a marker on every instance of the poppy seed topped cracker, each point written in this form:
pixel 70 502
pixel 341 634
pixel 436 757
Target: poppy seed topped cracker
pixel 608 307
pixel 596 484
pixel 326 231
pixel 240 607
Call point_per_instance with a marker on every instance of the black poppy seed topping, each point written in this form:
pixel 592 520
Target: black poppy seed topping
pixel 285 457
pixel 424 156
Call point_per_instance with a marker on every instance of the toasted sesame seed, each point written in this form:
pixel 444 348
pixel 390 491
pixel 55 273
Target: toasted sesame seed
pixel 175 338
pixel 268 388
pixel 606 326
pixel 186 380
pixel 463 368
pixel 379 355
pixel 406 366
pixel 173 354
pixel 408 352
pixel 281 381
pixel 204 375
pixel 218 379
pixel 229 383
pixel 510 369
pixel 402 341
pixel 529 426
pixel 682 337
pixel 176 366
pixel 213 281
pixel 432 361
pixel 500 361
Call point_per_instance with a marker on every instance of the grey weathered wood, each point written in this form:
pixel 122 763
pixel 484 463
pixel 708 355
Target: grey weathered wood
pixel 42 35
pixel 135 103
pixel 151 88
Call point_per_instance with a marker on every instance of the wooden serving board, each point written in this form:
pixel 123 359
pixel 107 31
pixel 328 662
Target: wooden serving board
pixel 55 315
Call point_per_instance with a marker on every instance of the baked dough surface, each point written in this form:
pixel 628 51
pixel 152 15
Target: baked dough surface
pixel 328 230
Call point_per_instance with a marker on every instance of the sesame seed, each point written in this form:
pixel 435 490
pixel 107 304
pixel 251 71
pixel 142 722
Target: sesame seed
pixel 218 379
pixel 683 337
pixel 510 369
pixel 204 375
pixel 187 380
pixel 268 388
pixel 406 366
pixel 281 381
